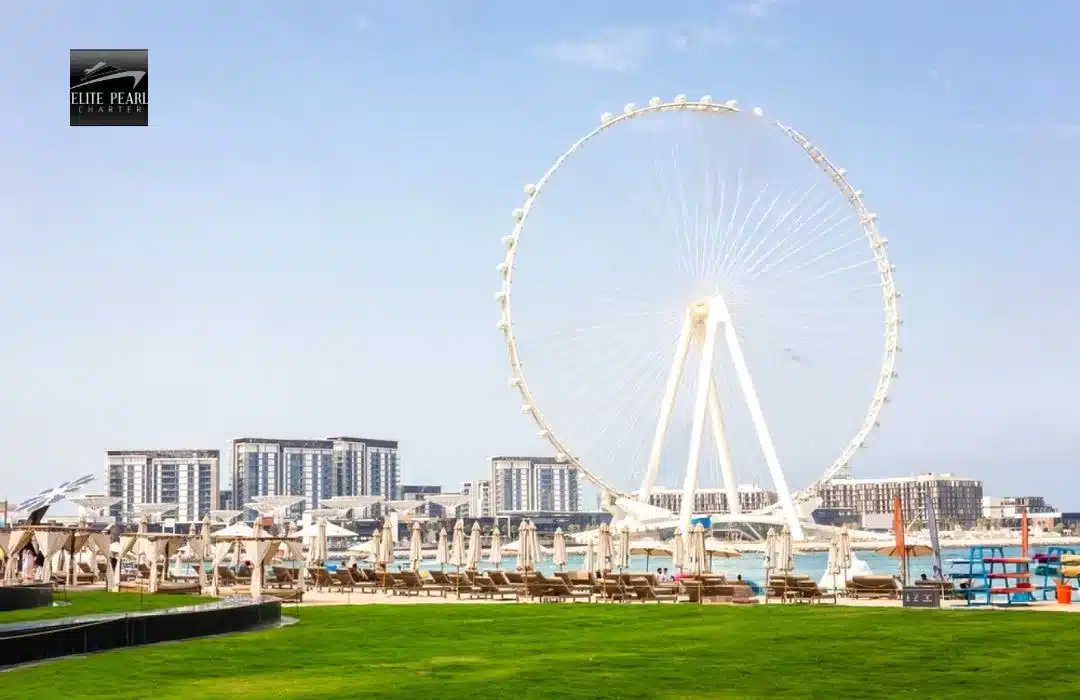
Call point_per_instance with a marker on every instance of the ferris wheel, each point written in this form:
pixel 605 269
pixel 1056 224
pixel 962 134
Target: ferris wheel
pixel 690 268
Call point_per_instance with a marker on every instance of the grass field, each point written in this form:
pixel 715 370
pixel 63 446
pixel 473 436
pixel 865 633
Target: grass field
pixel 94 602
pixel 593 651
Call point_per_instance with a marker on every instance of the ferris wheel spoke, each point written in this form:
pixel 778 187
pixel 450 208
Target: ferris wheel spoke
pixel 729 263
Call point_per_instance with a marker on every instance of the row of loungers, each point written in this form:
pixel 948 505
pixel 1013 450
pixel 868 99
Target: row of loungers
pixel 505 585
pixel 802 589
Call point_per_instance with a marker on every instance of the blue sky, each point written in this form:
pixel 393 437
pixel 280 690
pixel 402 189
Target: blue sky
pixel 303 242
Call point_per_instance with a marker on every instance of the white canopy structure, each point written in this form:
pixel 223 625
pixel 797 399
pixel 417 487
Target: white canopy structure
pixel 276 507
pixel 356 504
pixel 225 516
pixel 449 502
pixel 154 511
pixel 96 505
pixel 329 530
pixel 234 531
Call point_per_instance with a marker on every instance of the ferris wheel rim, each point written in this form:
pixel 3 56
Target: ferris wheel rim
pixel 867 223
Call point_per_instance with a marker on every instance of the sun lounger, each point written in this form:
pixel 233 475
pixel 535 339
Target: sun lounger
pixel 413 582
pixel 873 587
pixel 809 592
pixel 343 580
pixel 320 577
pixel 500 578
pixel 485 587
pixel 226 577
pixel 612 590
pixel 646 592
pixel 280 578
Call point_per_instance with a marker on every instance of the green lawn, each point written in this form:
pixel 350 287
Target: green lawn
pixel 94 602
pixel 491 652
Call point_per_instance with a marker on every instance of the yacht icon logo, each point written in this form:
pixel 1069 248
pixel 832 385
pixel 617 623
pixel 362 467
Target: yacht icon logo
pixel 101 71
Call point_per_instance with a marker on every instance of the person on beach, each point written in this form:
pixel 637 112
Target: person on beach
pixel 668 578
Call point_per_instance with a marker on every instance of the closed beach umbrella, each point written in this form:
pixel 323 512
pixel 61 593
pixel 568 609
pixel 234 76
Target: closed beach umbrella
pixel 474 554
pixel 415 546
pixel 590 558
pixel 374 546
pixel 604 548
pixel 457 548
pixel 207 549
pixel 678 553
pixel 624 548
pixel 534 544
pixel 386 546
pixel 844 551
pixel 559 555
pixel 442 549
pixel 772 550
pixel 697 550
pixel 319 550
pixel 785 559
pixel 832 565
pixel 523 545
pixel 495 555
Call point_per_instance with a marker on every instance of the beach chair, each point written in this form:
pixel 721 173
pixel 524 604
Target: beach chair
pixel 500 578
pixel 873 587
pixel 485 587
pixel 142 571
pixel 808 592
pixel 342 579
pixel 646 593
pixel 226 577
pixel 612 590
pixel 280 578
pixel 413 582
pixel 320 577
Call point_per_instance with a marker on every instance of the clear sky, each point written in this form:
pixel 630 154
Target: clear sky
pixel 303 242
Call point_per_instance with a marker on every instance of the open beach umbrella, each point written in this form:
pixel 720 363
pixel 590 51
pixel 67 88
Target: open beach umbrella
pixel 457 547
pixel 698 557
pixel 604 548
pixel 910 550
pixel 472 558
pixel 772 552
pixel 495 555
pixel 442 550
pixel 624 548
pixel 678 551
pixel 416 551
pixel 559 545
pixel 649 548
pixel 785 558
pixel 590 558
pixel 715 549
pixel 386 546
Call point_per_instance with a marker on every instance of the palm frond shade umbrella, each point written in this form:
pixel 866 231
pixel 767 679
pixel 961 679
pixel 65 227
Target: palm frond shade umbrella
pixel 457 548
pixel 697 550
pixel 678 551
pixel 442 549
pixel 624 548
pixel 475 553
pixel 558 556
pixel 416 552
pixel 495 553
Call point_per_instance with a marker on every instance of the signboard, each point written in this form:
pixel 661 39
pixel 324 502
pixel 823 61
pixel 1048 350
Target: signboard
pixel 922 597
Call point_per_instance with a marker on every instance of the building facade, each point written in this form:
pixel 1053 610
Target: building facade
pixel 533 484
pixel 713 501
pixel 314 469
pixel 187 478
pixel 956 500
pixel 1011 507
pixel 479 493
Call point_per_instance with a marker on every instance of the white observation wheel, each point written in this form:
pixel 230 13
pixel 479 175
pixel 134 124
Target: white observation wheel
pixel 739 305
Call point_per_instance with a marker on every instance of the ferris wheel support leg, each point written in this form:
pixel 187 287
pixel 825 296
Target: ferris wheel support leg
pixel 757 416
pixel 666 409
pixel 701 402
pixel 723 448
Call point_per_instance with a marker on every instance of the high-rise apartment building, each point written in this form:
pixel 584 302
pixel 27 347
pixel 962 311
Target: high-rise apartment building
pixel 314 469
pixel 188 478
pixel 533 484
pixel 956 500
pixel 713 501
pixel 479 493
